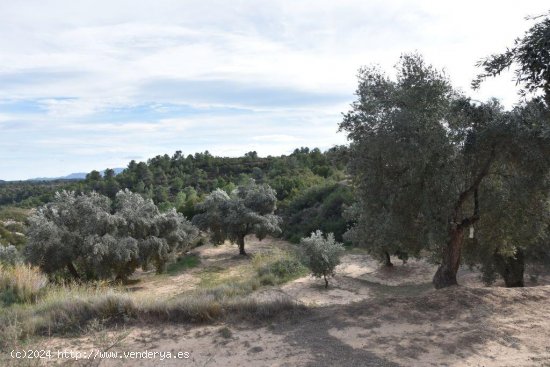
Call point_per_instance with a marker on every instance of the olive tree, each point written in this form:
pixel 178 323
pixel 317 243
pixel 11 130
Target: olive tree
pixel 92 238
pixel 248 210
pixel 213 215
pixel 70 232
pixel 322 254
pixel 421 154
pixel 157 234
pixel 525 236
pixel 514 229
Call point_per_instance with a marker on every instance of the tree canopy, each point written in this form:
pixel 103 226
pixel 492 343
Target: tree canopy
pixel 248 210
pixel 421 155
pixel 94 239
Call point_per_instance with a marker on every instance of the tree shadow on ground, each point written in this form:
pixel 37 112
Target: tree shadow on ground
pixel 312 334
pixel 451 323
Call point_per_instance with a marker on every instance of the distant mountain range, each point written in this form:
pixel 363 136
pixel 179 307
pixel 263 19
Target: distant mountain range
pixel 72 176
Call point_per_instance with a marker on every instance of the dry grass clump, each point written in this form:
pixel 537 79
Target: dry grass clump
pixel 227 300
pixel 186 308
pixel 21 284
pixel 71 308
pixel 252 309
pixel 63 309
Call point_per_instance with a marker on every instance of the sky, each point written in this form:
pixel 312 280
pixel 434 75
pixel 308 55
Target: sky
pixel 94 84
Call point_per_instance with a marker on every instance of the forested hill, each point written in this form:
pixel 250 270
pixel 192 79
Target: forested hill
pixel 164 178
pixel 180 181
pixel 28 194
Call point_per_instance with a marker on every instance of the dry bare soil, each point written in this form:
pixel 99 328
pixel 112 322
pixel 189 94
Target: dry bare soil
pixel 370 316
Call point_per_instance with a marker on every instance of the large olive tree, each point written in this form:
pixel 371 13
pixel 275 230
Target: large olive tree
pixel 420 153
pixel 524 215
pixel 248 210
pixel 92 238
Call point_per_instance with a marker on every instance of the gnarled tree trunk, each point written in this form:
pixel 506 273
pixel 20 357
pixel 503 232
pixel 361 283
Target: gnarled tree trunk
pixel 446 273
pixel 240 242
pixel 511 268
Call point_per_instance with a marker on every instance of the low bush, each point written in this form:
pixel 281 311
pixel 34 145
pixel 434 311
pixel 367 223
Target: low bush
pixel 278 266
pixel 9 256
pixel 182 263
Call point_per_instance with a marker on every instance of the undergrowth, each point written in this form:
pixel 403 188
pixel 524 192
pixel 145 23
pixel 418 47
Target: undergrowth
pixel 183 263
pixel 59 309
pixel 71 308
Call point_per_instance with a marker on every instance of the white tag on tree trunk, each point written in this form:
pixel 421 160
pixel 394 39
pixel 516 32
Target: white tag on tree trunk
pixel 471 231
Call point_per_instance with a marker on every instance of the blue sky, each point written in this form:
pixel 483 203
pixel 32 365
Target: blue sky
pixel 93 84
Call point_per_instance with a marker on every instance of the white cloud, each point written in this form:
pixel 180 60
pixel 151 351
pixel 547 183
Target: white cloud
pixel 308 45
pixel 84 62
pixel 275 138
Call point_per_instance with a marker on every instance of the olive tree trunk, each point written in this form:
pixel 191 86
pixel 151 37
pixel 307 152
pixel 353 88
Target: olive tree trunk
pixel 240 242
pixel 446 273
pixel 450 262
pixel 511 268
pixel 387 261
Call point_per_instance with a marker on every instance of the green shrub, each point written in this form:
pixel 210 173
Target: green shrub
pixel 319 207
pixel 268 279
pixel 183 263
pixel 278 266
pixel 9 256
pixel 322 254
pixel 225 332
pixel 282 268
